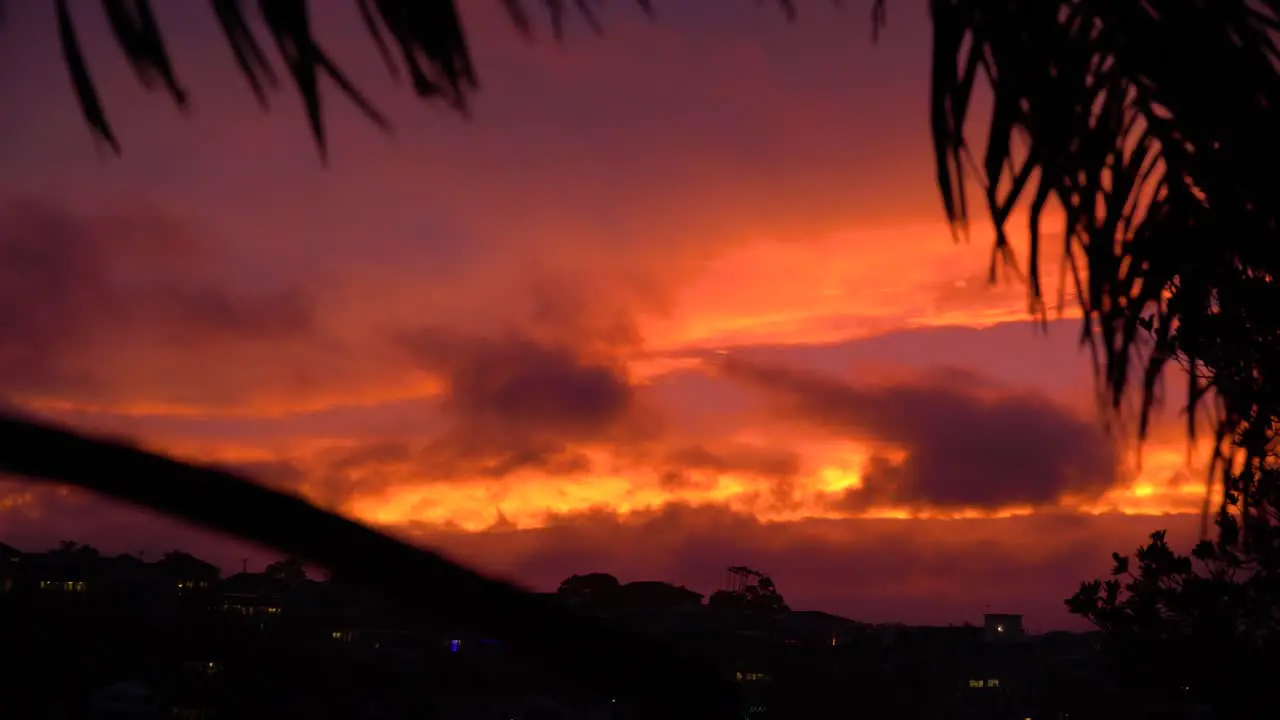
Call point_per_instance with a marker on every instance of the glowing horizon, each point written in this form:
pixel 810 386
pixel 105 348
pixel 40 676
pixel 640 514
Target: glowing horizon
pixel 580 328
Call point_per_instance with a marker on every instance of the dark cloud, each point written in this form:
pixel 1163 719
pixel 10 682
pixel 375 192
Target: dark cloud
pixel 372 455
pixel 523 382
pixel 748 459
pixel 921 571
pixel 383 465
pixel 533 397
pixel 517 403
pixel 338 474
pixel 947 440
pixel 515 382
pixel 529 397
pixel 76 288
pixel 553 460
pixel 1048 357
pixel 679 466
pixel 333 476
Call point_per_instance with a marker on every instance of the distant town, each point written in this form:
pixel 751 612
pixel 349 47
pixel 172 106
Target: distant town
pixel 97 636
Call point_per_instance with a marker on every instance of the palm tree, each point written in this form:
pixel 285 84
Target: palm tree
pixel 1149 126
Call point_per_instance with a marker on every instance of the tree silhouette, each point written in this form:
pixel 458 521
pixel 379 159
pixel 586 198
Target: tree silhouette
pixel 73 550
pixel 290 570
pixel 1200 627
pixel 1148 127
pixel 596 590
pixel 760 597
pixel 646 669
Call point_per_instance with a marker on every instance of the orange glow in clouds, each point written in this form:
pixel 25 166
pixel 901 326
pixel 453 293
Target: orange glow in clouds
pixel 573 256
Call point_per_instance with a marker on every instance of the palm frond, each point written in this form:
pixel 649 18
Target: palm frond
pixel 86 91
pixel 248 53
pixel 428 34
pixel 290 25
pixel 596 655
pixel 1152 125
pixel 134 26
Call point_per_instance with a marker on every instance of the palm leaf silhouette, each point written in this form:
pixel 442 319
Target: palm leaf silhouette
pixel 1152 126
pixel 587 651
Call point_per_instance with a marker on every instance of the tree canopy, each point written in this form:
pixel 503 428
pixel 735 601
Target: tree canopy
pixel 1198 628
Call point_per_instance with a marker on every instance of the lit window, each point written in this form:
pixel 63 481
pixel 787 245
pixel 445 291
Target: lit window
pixel 975 683
pixel 993 683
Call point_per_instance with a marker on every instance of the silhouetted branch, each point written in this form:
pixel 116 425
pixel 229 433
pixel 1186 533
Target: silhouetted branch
pixel 432 44
pixel 134 26
pixel 596 654
pixel 86 91
pixel 248 53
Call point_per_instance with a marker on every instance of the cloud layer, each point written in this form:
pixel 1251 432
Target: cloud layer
pixel 501 336
pixel 876 570
pixel 81 291
pixel 952 439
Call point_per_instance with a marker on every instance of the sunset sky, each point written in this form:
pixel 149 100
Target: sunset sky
pixel 675 298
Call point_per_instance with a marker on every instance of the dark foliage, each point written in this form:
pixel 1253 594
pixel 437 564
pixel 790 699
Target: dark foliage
pixel 593 654
pixel 1198 628
pixel 1118 114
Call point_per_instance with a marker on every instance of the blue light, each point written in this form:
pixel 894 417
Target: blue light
pixel 453 645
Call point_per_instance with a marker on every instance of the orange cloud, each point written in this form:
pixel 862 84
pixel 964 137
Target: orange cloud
pixel 941 444
pixel 494 335
pixel 877 570
pixel 126 310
